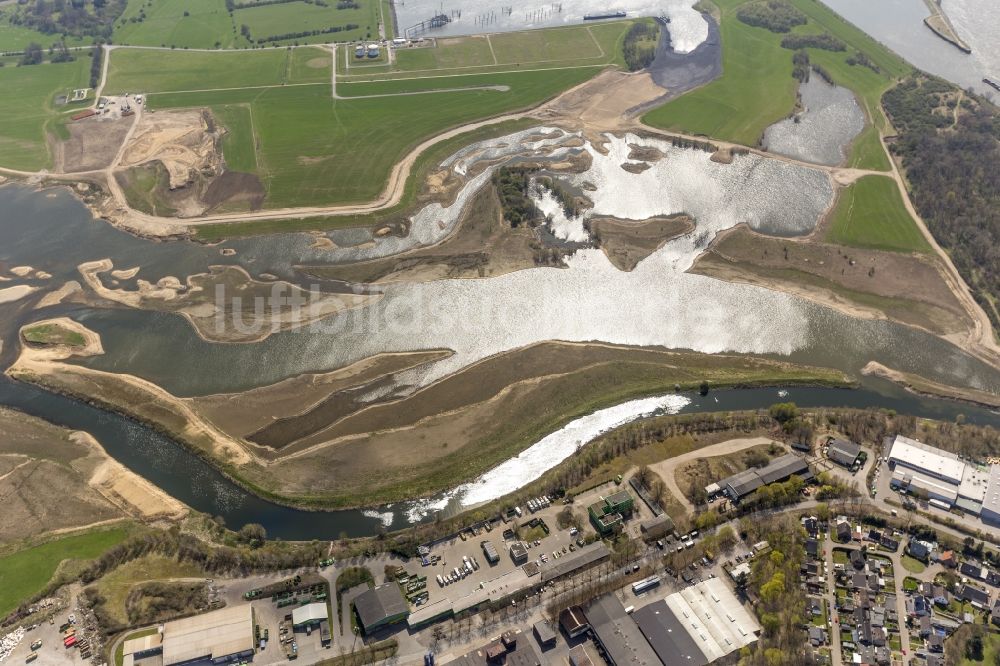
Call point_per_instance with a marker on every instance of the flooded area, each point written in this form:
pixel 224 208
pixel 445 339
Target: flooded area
pixel 899 25
pixel 822 131
pixel 469 17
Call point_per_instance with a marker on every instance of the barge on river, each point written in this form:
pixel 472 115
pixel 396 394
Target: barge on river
pixel 598 17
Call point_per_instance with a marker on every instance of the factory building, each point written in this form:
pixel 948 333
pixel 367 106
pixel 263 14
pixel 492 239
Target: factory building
pixel 381 606
pixel 217 637
pixel 991 499
pixel 699 625
pixel 944 479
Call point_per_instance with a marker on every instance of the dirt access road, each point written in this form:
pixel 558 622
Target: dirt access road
pixel 667 468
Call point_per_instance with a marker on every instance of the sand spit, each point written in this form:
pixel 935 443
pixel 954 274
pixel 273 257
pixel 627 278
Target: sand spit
pixel 59 295
pixel 126 274
pixel 46 367
pixel 128 491
pixel 226 304
pixel 21 271
pixel 925 387
pixel 16 293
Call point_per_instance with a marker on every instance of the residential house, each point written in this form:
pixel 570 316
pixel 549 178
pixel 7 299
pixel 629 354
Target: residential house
pixel 857 559
pixel 889 543
pixel 918 549
pixel 935 643
pixel 817 636
pixel 843 531
pixel 948 559
pixel 978 598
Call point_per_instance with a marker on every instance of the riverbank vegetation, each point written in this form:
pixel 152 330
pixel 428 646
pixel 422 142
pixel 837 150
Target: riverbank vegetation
pixel 639 47
pixel 956 192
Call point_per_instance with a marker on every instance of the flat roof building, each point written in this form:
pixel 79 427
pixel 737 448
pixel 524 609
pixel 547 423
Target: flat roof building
pixel 143 647
pixel 582 558
pixel 617 634
pixel 211 638
pixel 381 606
pixel 665 634
pixel 927 460
pixel 991 501
pixel 714 618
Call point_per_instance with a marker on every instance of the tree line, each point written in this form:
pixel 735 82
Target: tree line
pixel 76 18
pixel 954 174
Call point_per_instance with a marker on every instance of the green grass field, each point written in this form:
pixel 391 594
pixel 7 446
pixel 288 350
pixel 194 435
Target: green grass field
pixel 149 71
pixel 25 572
pixel 28 109
pixel 316 150
pixel 870 213
pixel 207 25
pixel 301 16
pixel 424 163
pixel 757 89
pixel 572 46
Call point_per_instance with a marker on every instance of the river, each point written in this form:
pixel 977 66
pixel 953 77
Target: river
pixel 899 25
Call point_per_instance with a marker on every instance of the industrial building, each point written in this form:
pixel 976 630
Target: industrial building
pixel 608 515
pixel 991 500
pixel 617 635
pixel 310 615
pixel 136 649
pixel 656 528
pixel 740 485
pixel 843 452
pixel 944 479
pixel 381 606
pixel 217 637
pixel 697 626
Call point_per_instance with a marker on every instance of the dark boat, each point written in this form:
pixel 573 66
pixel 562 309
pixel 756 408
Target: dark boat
pixel 598 17
pixel 991 83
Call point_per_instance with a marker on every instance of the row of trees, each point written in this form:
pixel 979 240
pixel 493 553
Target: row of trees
pixel 824 41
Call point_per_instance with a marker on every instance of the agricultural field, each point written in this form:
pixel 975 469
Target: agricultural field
pixel 312 149
pixel 870 214
pixel 25 572
pixel 196 24
pixel 29 111
pixel 151 71
pixel 757 87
